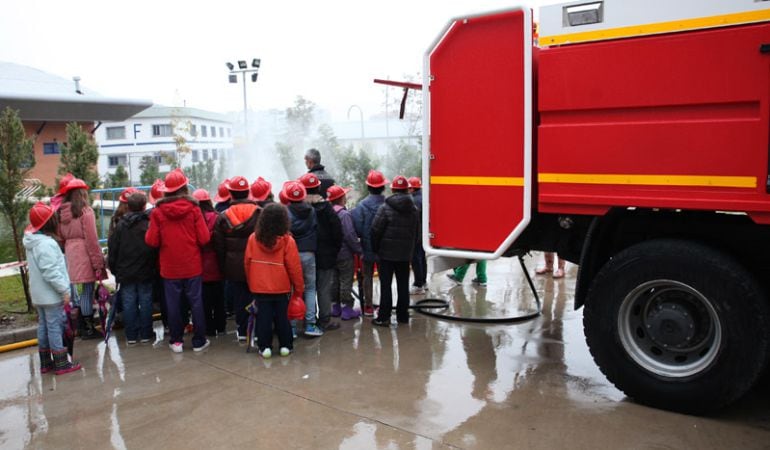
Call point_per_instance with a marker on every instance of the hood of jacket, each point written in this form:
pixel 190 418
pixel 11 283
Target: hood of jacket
pixel 239 212
pixel 280 243
pixel 177 208
pixel 401 202
pixel 32 240
pixel 372 202
pixel 133 218
pixel 300 210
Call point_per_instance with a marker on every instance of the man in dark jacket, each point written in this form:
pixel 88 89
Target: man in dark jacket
pixel 393 235
pixel 231 233
pixel 419 263
pixel 313 164
pixel 134 265
pixel 363 215
pixel 329 243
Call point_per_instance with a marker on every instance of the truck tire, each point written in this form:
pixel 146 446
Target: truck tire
pixel 677 325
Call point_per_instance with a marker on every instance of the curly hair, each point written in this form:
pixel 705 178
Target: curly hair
pixel 273 222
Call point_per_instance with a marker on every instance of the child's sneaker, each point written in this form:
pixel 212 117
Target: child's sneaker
pixel 350 313
pixel 285 351
pixel 294 331
pixel 240 337
pixel 452 277
pixel 131 342
pixel 416 290
pixel 368 311
pixel 336 310
pixel 176 347
pixel 478 283
pixel 267 353
pixel 202 347
pixel 312 330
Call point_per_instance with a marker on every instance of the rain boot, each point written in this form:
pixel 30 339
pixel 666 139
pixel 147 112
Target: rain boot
pixel 46 363
pixel 63 364
pixel 89 329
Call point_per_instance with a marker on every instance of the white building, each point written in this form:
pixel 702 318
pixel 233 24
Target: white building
pixel 157 132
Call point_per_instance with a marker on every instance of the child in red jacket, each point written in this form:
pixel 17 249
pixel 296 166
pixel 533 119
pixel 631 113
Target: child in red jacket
pixel 177 227
pixel 213 286
pixel 273 270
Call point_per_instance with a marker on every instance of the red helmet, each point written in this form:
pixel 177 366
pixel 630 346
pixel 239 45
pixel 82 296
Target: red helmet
pixel 294 191
pixel 75 183
pixel 238 184
pixel 415 183
pixel 297 308
pixel 156 191
pixel 175 180
pixel 201 195
pixel 310 181
pixel 126 193
pixel 399 183
pixel 39 214
pixel 223 194
pixel 64 181
pixel 334 192
pixel 282 198
pixel 376 179
pixel 260 189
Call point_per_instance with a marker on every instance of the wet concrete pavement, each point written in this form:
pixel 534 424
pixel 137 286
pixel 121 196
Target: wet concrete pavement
pixel 430 384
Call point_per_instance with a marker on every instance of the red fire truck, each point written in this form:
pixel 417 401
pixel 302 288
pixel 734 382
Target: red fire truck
pixel 631 137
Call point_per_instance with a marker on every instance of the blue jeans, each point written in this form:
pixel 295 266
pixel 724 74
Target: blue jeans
pixel 308 272
pixel 137 303
pixel 176 291
pixel 50 327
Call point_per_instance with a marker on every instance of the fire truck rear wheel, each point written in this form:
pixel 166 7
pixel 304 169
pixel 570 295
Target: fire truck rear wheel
pixel 677 325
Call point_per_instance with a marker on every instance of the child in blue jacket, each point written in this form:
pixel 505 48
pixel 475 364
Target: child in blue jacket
pixel 49 286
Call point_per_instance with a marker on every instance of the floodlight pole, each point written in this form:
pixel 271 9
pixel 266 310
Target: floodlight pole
pixel 243 70
pixel 245 110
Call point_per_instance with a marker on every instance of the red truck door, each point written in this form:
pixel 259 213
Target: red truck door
pixel 478 79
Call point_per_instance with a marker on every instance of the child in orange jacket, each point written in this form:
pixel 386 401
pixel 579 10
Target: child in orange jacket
pixel 273 270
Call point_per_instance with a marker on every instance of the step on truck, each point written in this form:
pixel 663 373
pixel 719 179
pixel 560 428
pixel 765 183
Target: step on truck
pixel 631 137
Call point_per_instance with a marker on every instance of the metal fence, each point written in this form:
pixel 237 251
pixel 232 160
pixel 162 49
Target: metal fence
pixel 106 202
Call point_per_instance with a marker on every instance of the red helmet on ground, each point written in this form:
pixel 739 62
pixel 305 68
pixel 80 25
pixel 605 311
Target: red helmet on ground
pixel 334 192
pixel 415 183
pixel 175 180
pixel 376 179
pixel 39 214
pixel 75 183
pixel 223 194
pixel 294 191
pixel 399 183
pixel 238 184
pixel 64 181
pixel 126 193
pixel 201 195
pixel 156 191
pixel 260 189
pixel 309 180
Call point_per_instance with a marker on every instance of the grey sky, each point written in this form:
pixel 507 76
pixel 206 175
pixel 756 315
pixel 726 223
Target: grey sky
pixel 169 51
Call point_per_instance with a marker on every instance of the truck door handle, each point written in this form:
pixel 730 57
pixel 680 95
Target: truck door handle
pixel 764 48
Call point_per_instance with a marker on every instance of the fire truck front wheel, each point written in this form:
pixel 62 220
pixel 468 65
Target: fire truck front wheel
pixel 677 325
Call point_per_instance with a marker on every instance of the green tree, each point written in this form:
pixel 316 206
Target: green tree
pixel 79 155
pixel 16 160
pixel 201 175
pixel 403 158
pixel 150 170
pixel 118 179
pixel 299 119
pixel 353 167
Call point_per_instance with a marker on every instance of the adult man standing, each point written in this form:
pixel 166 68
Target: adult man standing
pixel 314 166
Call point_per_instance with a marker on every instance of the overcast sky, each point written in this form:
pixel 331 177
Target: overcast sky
pixel 171 51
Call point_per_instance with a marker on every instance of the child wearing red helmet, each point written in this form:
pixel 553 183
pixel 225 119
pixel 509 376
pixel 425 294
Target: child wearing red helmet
pixel 363 215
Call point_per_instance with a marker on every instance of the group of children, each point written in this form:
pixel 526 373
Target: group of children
pixel 193 255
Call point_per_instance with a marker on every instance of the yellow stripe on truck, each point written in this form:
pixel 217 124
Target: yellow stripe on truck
pixel 649 180
pixel 478 181
pixel 657 28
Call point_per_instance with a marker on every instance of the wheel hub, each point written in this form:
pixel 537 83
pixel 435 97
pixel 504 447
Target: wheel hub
pixel 670 325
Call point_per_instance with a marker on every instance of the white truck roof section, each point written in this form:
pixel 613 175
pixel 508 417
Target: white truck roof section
pixel 596 20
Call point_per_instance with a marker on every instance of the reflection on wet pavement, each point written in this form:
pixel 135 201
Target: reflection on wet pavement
pixel 429 384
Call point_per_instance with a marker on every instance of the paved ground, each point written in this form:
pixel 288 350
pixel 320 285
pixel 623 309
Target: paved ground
pixel 431 384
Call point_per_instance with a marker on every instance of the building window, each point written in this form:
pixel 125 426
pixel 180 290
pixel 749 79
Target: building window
pixel 213 131
pixel 214 154
pixel 228 133
pixel 162 130
pixel 158 158
pixel 51 148
pixel 193 130
pixel 195 156
pixel 221 132
pixel 116 160
pixel 116 133
pixel 205 154
pixel 204 131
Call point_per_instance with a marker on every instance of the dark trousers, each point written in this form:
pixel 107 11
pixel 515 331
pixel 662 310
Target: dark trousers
pixel 401 270
pixel 419 266
pixel 159 295
pixel 272 312
pixel 324 282
pixel 214 307
pixel 241 299
pixel 177 291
